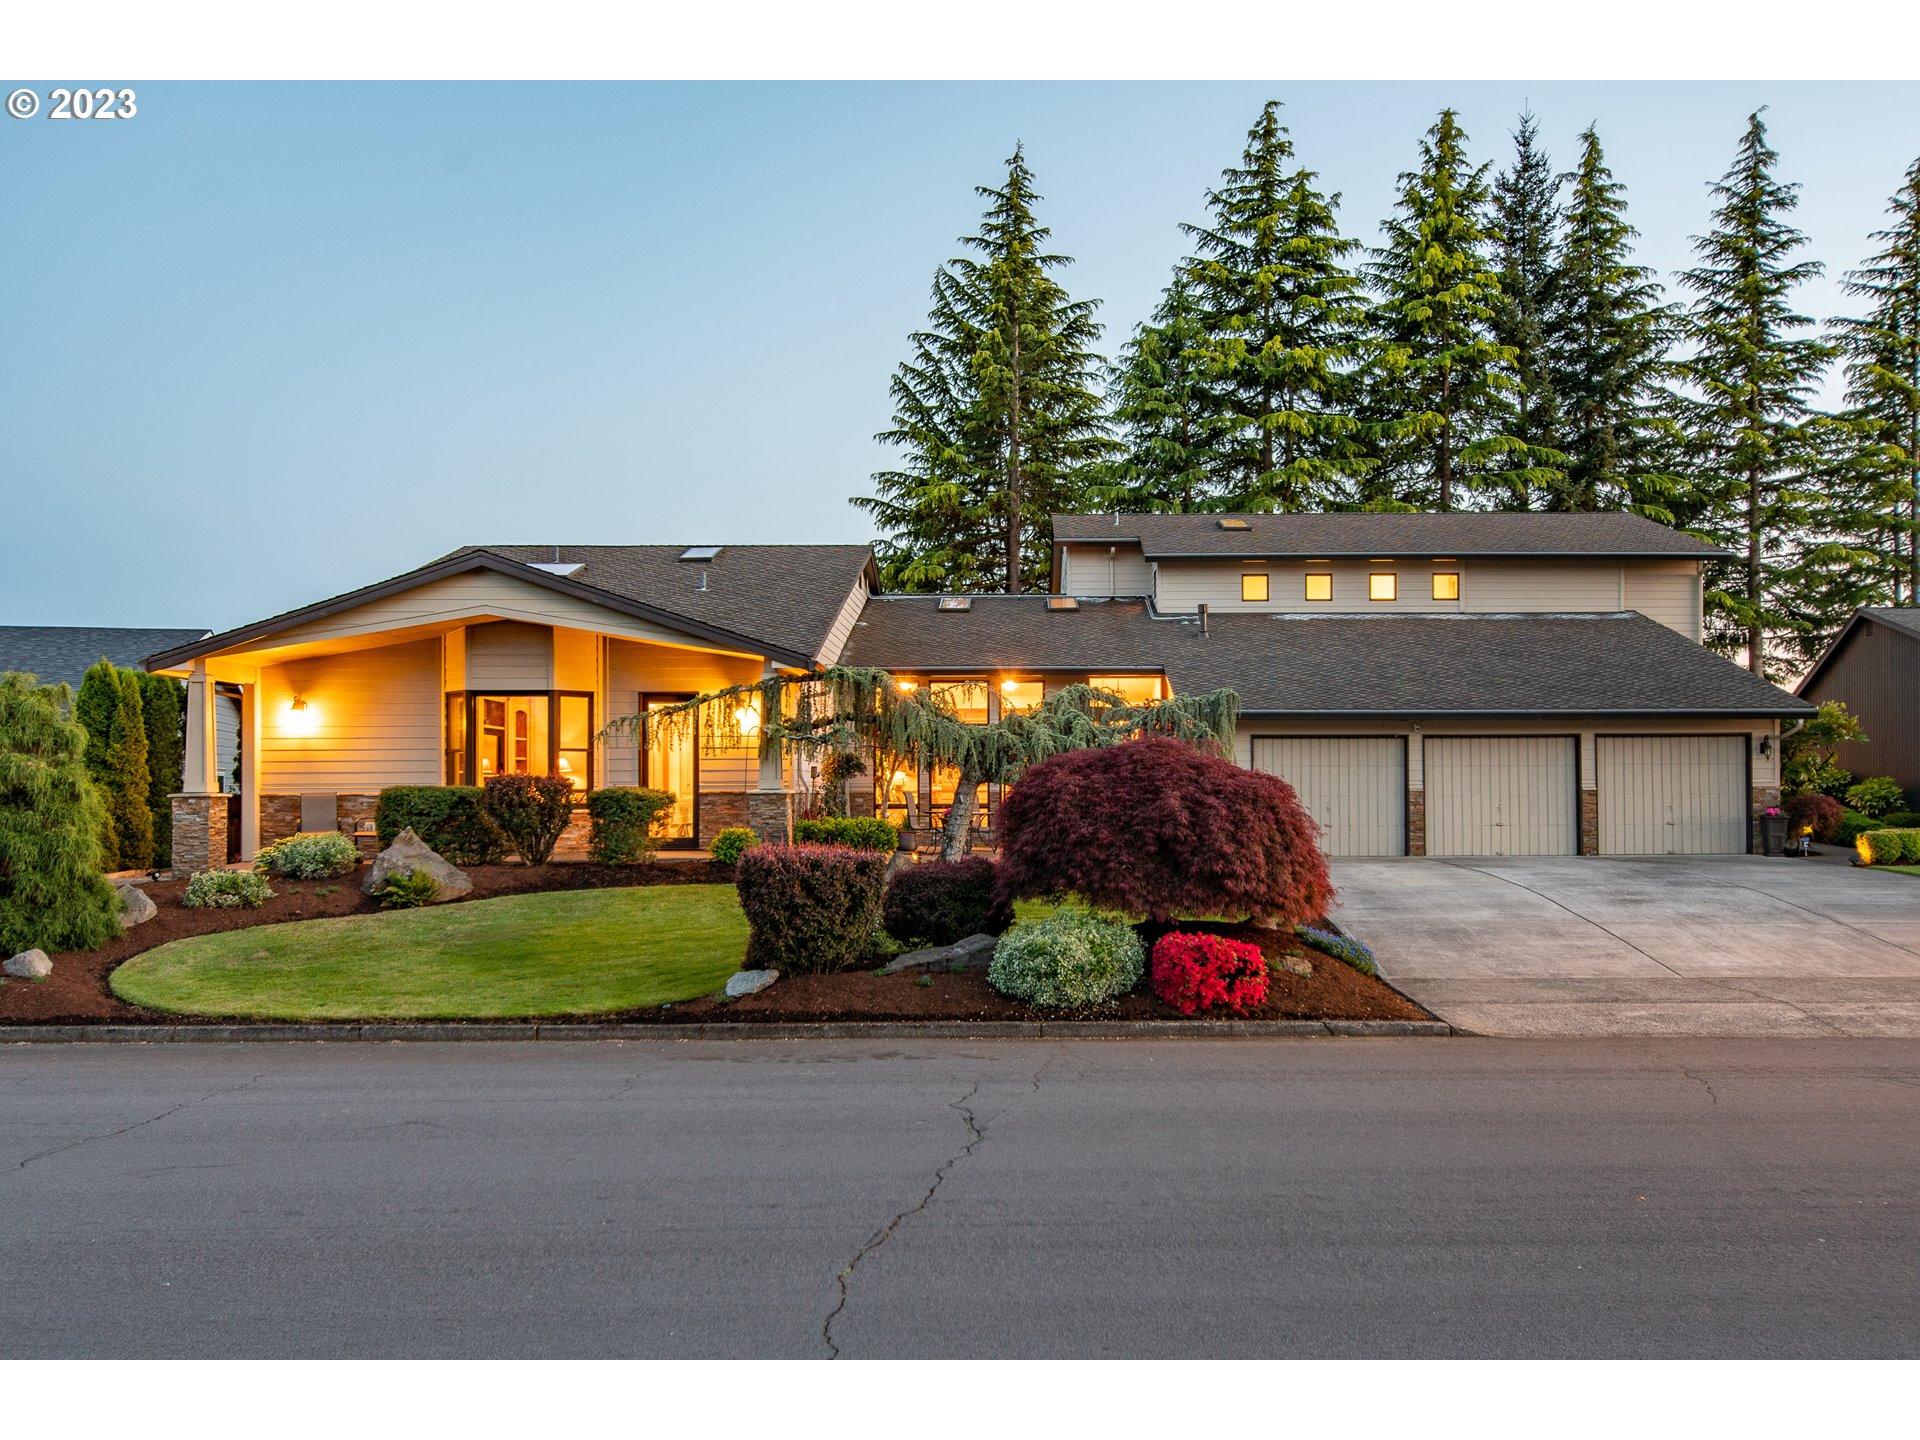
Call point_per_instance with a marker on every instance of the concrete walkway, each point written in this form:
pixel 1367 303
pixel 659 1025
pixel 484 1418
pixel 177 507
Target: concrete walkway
pixel 1724 945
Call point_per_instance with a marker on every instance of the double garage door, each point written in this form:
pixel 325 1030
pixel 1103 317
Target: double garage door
pixel 1519 794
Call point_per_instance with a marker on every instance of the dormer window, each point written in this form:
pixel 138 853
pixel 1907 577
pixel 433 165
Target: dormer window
pixel 1382 585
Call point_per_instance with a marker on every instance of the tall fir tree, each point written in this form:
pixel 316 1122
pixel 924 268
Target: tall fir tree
pixel 1607 335
pixel 115 755
pixel 1281 317
pixel 1439 370
pixel 1882 352
pixel 1525 230
pixel 1753 449
pixel 1160 407
pixel 997 412
pixel 163 714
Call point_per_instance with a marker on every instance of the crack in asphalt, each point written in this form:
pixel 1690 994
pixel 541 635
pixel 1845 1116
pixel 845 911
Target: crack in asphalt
pixel 139 1124
pixel 1702 1081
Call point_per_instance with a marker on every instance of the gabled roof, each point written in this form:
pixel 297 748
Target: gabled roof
pixel 62 653
pixel 773 600
pixel 1903 618
pixel 1385 534
pixel 1622 664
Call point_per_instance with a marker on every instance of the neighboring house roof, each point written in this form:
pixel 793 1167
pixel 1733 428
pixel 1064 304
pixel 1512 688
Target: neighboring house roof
pixel 773 600
pixel 1324 665
pixel 62 653
pixel 1903 618
pixel 1385 534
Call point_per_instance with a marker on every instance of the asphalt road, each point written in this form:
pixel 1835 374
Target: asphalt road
pixel 1066 1198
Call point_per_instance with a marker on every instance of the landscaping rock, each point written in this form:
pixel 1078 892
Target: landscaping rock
pixel 136 906
pixel 1296 965
pixel 749 982
pixel 29 965
pixel 409 855
pixel 973 953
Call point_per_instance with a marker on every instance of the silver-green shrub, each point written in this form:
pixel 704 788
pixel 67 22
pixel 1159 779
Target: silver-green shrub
pixel 227 890
pixel 1070 959
pixel 313 855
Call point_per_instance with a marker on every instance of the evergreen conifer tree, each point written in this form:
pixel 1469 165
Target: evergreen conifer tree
pixel 1752 445
pixel 1281 315
pixel 1882 352
pixel 1607 335
pixel 1160 408
pixel 108 709
pixel 996 410
pixel 1438 368
pixel 1525 228
pixel 53 895
pixel 162 712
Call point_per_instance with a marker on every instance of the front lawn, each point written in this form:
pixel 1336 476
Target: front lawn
pixel 579 952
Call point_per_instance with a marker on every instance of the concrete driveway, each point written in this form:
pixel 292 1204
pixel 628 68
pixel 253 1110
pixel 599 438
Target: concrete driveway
pixel 1720 945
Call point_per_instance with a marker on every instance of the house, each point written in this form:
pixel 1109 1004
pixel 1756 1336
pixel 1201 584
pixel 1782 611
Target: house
pixel 1456 684
pixel 1873 667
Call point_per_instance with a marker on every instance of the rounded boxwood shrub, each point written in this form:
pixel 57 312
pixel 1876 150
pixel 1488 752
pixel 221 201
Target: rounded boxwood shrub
pixel 1154 827
pixel 1889 847
pixel 313 855
pixel 1876 796
pixel 945 900
pixel 449 819
pixel 227 890
pixel 810 908
pixel 1193 972
pixel 731 843
pixel 1070 959
pixel 857 832
pixel 533 810
pixel 621 823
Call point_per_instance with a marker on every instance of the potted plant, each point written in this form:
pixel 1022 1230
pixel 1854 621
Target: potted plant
pixel 1773 831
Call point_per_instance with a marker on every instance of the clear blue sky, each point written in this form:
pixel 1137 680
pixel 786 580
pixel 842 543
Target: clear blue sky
pixel 265 343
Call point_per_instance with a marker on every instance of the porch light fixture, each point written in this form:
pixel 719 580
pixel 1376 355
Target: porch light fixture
pixel 1766 746
pixel 300 716
pixel 299 703
pixel 1007 687
pixel 907 685
pixel 748 719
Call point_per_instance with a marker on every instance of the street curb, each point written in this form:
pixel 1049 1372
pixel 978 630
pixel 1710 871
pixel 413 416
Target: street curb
pixel 722 1030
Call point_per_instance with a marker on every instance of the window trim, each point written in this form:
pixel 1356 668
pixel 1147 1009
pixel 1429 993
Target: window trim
pixel 1374 577
pixel 1247 579
pixel 672 697
pixel 470 742
pixel 1306 591
pixel 1454 576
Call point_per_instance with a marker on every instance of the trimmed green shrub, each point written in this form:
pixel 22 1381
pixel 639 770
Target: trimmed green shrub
pixel 1070 959
pixel 1902 819
pixel 1340 947
pixel 448 818
pixel 1852 825
pixel 1876 796
pixel 622 823
pixel 859 833
pixel 945 900
pixel 408 889
pixel 811 908
pixel 163 711
pixel 109 707
pixel 533 810
pixel 53 896
pixel 731 843
pixel 313 855
pixel 1889 847
pixel 227 890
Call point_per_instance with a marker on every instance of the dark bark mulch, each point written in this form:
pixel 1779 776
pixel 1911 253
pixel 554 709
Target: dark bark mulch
pixel 77 993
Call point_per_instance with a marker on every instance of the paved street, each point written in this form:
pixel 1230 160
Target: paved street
pixel 747 1198
pixel 1724 945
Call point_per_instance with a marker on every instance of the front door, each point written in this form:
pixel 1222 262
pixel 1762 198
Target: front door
pixel 670 762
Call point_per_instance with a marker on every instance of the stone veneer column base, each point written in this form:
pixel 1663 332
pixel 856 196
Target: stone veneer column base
pixel 1416 822
pixel 1589 822
pixel 770 814
pixel 199 833
pixel 280 815
pixel 720 810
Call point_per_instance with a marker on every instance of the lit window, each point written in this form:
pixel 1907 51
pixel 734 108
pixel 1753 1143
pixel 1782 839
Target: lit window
pixel 1319 586
pixel 1380 586
pixel 1253 587
pixel 967 697
pixel 1020 695
pixel 1446 585
pixel 1134 689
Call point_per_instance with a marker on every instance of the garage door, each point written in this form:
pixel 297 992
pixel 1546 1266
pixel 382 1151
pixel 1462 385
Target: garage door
pixel 1355 787
pixel 1672 794
pixel 1502 795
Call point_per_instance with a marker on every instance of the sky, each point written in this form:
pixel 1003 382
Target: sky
pixel 264 344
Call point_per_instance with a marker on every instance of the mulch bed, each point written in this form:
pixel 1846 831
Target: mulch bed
pixel 77 994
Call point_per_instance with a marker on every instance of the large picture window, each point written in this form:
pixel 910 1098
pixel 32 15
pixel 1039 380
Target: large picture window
pixel 539 732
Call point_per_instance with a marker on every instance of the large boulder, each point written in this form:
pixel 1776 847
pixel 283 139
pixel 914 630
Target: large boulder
pixel 408 855
pixel 749 982
pixel 136 906
pixel 973 953
pixel 29 965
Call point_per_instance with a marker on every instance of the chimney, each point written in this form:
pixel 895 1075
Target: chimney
pixel 1203 618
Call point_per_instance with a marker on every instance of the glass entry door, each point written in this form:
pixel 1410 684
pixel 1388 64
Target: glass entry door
pixel 671 763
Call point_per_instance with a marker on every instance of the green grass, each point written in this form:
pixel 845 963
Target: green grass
pixel 578 952
pixel 1898 869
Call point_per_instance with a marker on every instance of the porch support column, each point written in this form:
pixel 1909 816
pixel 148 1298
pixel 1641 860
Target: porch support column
pixel 199 810
pixel 770 803
pixel 249 770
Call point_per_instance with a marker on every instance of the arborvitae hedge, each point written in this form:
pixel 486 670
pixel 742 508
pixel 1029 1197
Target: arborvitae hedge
pixel 108 709
pixel 163 709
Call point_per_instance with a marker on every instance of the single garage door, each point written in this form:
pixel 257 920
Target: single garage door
pixel 1672 794
pixel 1502 795
pixel 1355 787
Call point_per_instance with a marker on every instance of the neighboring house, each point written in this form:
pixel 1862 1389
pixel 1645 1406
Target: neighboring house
pixel 1873 666
pixel 1459 684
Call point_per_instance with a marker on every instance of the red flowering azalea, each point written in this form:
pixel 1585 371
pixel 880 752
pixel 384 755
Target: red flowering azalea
pixel 1202 972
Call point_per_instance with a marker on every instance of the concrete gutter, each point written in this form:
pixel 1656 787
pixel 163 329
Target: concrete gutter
pixel 723 1030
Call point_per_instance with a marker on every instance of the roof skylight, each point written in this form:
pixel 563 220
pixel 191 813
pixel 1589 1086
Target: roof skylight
pixel 700 552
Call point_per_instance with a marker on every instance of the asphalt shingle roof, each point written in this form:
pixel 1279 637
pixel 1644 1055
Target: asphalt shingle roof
pixel 1900 617
pixel 911 632
pixel 1350 533
pixel 59 653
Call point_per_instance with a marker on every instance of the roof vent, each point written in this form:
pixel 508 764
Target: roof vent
pixel 562 568
pixel 1062 602
pixel 956 602
pixel 700 552
pixel 1234 524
